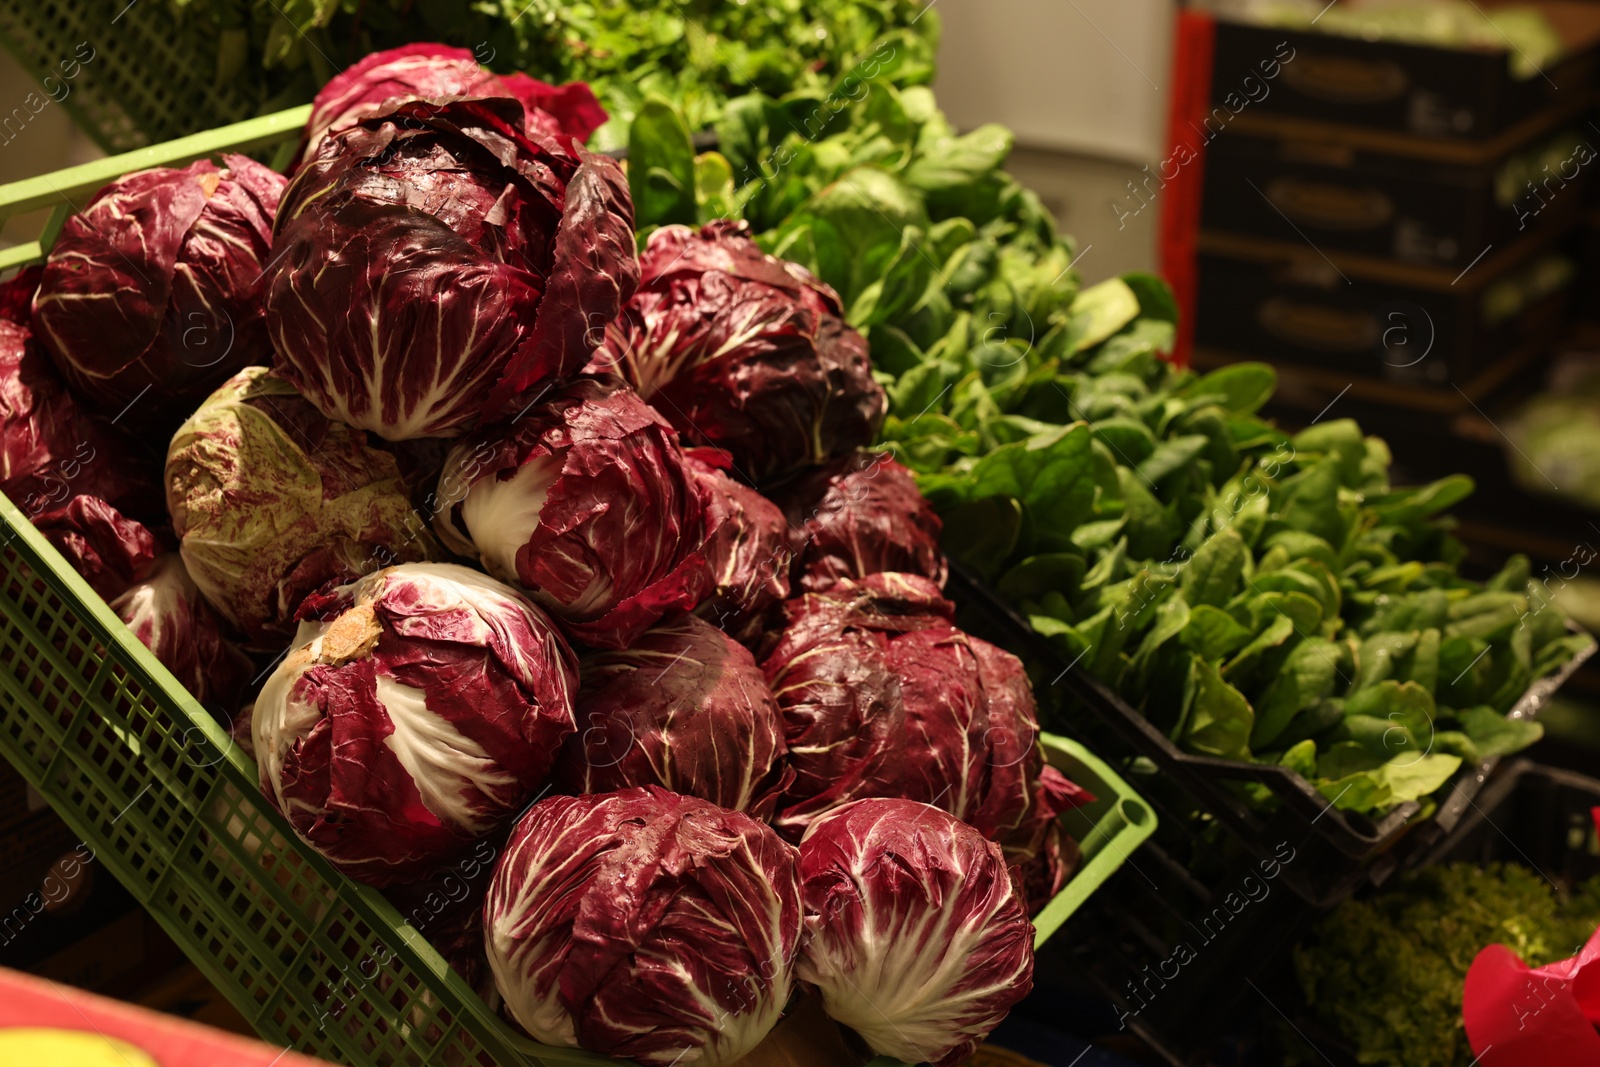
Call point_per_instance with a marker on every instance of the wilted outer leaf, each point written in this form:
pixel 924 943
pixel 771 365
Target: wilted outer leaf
pixel 422 708
pixel 861 515
pixel 150 297
pixel 436 260
pixel 745 352
pixel 168 614
pixel 916 937
pixel 684 707
pixel 270 499
pixel 585 502
pixel 645 925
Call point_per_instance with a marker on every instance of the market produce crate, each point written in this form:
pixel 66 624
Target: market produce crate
pixel 1370 318
pixel 1336 851
pixel 1416 201
pixel 1305 391
pixel 1454 93
pixel 170 805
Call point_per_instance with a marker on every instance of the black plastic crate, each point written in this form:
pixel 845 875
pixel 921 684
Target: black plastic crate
pixel 1335 852
pixel 1430 207
pixel 1352 315
pixel 1436 92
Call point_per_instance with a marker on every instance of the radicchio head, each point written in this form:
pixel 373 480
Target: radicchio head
pixel 436 259
pixel 585 502
pixel 864 666
pixel 421 708
pixel 916 937
pixel 861 514
pixel 744 352
pixel 684 707
pixel 150 297
pixel 645 925
pixel 270 500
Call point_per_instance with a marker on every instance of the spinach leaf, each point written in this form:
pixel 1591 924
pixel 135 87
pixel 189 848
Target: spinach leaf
pixel 1305 678
pixel 1212 633
pixel 661 167
pixel 1212 573
pixel 1220 718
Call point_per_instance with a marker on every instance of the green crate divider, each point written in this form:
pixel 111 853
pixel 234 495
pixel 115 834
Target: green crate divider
pixel 171 805
pixel 1107 831
pixel 153 76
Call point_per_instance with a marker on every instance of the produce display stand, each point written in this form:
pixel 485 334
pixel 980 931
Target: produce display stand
pixel 170 804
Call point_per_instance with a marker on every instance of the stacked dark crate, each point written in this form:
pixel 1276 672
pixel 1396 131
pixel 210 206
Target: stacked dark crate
pixel 1393 217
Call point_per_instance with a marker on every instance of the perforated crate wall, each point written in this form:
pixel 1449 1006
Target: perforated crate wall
pixel 153 76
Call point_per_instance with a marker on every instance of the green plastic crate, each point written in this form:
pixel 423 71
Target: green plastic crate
pixel 1107 831
pixel 170 804
pixel 152 76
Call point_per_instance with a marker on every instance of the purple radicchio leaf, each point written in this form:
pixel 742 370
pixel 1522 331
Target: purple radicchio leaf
pixel 166 612
pixel 110 550
pixel 748 556
pixel 51 449
pixel 437 72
